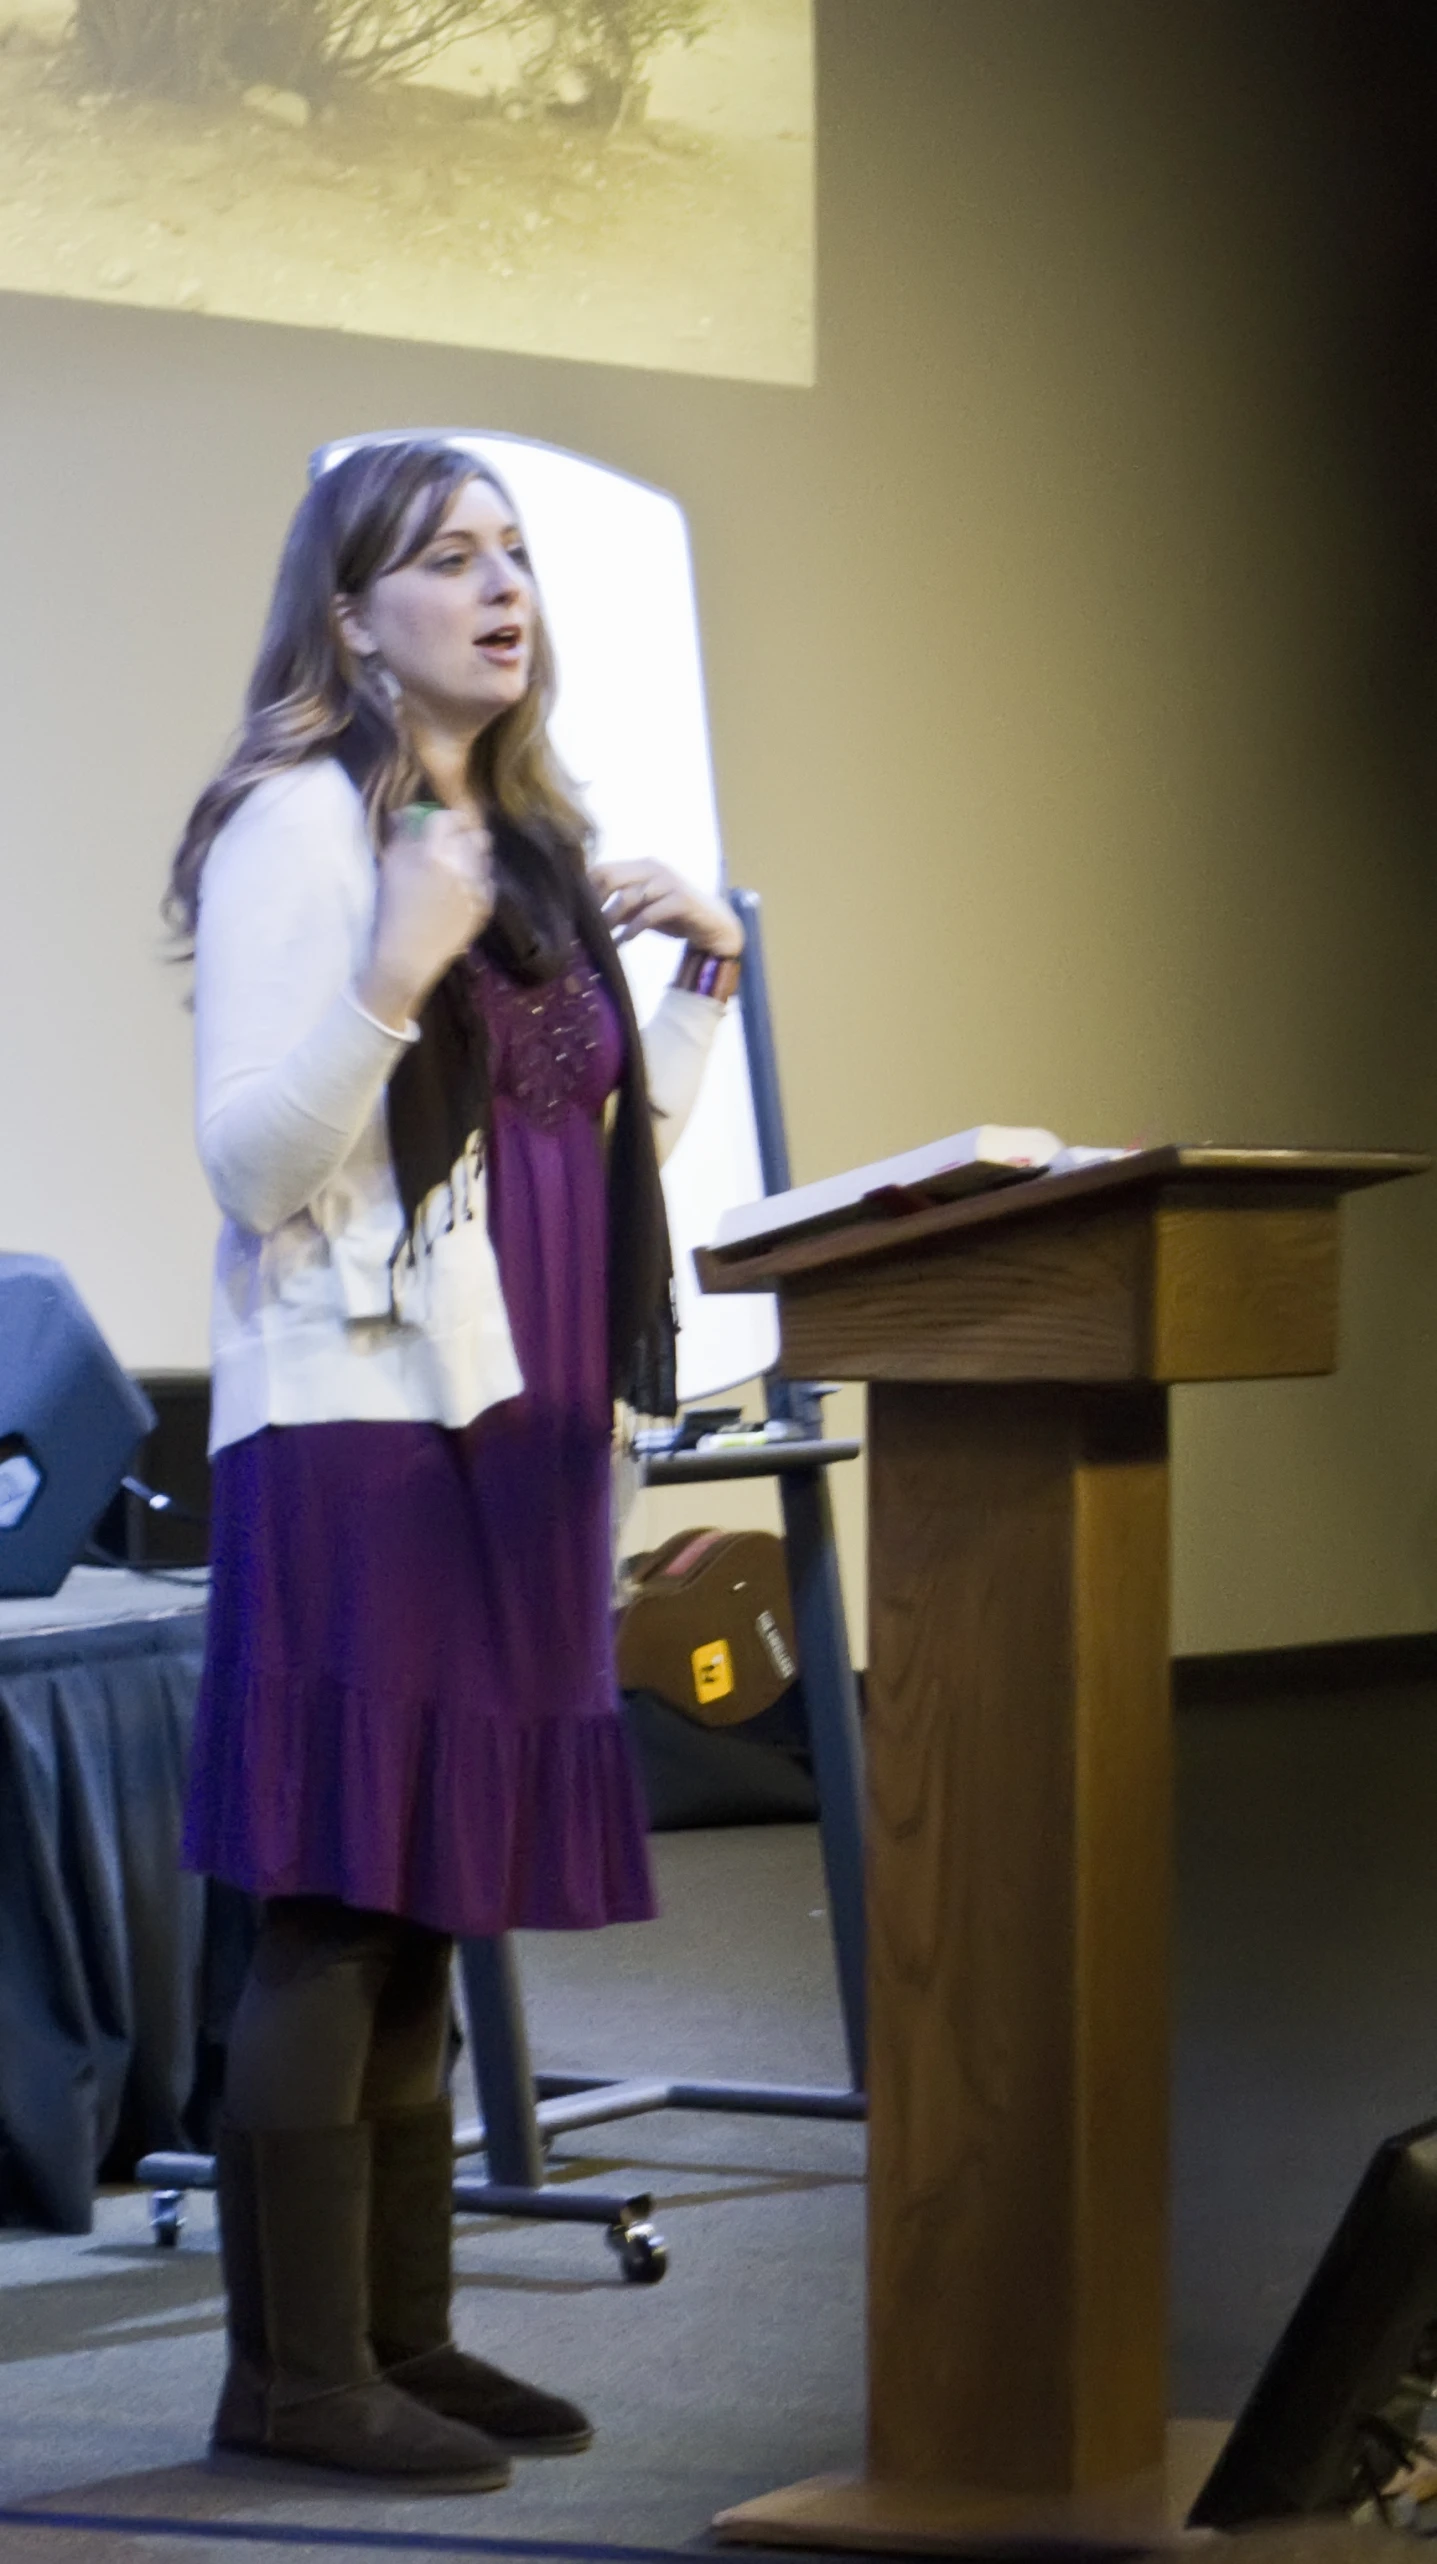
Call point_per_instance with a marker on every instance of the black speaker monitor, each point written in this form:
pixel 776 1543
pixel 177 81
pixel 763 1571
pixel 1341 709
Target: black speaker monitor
pixel 1325 2425
pixel 70 1425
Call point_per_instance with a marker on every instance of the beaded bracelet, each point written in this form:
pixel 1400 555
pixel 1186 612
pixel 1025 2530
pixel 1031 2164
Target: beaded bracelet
pixel 708 974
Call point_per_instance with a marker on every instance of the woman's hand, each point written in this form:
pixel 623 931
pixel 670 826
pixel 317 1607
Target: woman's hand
pixel 436 893
pixel 639 896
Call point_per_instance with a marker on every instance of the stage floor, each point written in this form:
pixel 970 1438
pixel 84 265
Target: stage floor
pixel 1308 1902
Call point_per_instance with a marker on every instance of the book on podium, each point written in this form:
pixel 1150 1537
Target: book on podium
pixel 974 1161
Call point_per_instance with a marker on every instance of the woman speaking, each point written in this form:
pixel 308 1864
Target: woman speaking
pixel 433 1127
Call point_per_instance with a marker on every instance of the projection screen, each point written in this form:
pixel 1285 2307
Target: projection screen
pixel 624 181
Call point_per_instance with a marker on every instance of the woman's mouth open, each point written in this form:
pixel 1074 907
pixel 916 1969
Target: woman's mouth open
pixel 505 644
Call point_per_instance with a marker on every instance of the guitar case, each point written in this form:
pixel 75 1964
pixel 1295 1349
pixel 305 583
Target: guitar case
pixel 708 1668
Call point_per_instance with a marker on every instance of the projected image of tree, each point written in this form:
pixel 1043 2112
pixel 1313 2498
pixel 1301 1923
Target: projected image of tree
pixel 586 56
pixel 626 180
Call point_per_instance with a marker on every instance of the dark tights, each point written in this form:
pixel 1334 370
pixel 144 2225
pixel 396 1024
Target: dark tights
pixel 344 2016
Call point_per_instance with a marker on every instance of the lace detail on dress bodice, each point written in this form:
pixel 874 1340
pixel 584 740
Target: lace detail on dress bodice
pixel 553 1047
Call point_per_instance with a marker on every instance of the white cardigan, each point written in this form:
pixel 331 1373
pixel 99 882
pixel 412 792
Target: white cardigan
pixel 290 1080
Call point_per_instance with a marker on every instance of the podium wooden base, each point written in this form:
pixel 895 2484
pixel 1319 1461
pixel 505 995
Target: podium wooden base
pixel 1019 1347
pixel 847 2513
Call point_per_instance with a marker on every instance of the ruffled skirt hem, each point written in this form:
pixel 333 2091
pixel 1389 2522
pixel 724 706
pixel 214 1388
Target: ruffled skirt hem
pixel 308 1787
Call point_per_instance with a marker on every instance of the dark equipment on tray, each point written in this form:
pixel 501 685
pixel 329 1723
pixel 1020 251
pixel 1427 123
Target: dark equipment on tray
pixel 1334 2415
pixel 696 1422
pixel 70 1425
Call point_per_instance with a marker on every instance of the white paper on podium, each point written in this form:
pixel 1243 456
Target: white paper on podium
pixel 612 561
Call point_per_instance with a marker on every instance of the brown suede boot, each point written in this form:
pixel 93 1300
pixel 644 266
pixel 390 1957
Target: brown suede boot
pixel 302 2384
pixel 410 2235
pixel 239 2420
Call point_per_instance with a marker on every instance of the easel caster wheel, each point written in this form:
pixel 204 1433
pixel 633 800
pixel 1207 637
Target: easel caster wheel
pixel 167 2216
pixel 643 2255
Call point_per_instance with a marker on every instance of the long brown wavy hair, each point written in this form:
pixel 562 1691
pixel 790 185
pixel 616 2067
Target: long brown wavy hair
pixel 311 696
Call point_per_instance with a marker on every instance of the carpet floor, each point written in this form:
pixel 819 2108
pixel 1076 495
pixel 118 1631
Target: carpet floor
pixel 1307 1914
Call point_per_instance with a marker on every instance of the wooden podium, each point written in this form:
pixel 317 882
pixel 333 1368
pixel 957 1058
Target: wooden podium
pixel 1019 1346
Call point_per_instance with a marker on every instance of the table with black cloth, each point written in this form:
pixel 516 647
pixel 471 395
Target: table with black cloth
pixel 102 1935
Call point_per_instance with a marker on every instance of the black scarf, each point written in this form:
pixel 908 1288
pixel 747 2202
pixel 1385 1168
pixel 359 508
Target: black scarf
pixel 439 1111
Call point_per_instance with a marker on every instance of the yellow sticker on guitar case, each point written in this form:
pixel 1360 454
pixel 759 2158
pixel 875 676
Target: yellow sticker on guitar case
pixel 713 1671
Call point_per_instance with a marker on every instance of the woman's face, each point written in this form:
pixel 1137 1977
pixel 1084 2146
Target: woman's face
pixel 455 626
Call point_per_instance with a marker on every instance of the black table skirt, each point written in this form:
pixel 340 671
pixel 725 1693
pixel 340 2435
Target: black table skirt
pixel 101 1933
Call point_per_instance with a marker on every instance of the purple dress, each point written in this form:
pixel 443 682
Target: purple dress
pixel 409 1699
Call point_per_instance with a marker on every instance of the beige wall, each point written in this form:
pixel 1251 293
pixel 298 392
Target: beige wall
pixel 1064 687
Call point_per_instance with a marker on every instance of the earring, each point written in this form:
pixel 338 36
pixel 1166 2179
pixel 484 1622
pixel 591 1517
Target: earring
pixel 372 667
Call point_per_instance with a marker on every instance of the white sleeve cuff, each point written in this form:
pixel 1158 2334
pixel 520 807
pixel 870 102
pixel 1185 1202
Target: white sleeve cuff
pixel 408 1031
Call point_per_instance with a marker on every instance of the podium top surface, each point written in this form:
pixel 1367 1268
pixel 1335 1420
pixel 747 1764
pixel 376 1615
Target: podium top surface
pixel 1175 1173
